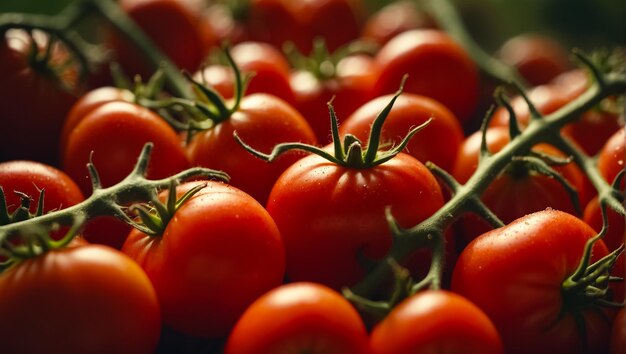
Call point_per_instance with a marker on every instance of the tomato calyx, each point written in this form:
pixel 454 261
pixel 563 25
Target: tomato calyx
pixel 351 152
pixel 154 219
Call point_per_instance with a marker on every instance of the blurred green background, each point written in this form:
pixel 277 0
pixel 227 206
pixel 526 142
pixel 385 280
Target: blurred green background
pixel 587 24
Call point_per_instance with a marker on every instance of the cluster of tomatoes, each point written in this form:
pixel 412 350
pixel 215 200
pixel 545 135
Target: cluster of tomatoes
pixel 257 265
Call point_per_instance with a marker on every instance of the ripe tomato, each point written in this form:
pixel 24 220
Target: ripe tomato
pixel 262 121
pixel 218 253
pixel 351 84
pixel 274 22
pixel 266 63
pixel 618 334
pixel 173 25
pixel 344 210
pixel 88 299
pixel 393 19
pixel 515 274
pixel 439 142
pixel 530 190
pixel 537 58
pixel 116 133
pixel 436 321
pixel 299 318
pixel 612 156
pixel 35 96
pixel 437 67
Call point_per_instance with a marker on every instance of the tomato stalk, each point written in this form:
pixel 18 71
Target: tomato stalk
pixel 466 197
pixel 110 201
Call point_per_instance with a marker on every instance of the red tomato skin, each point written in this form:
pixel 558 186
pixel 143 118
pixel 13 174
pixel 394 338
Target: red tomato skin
pixel 219 252
pixel 438 142
pixel 618 334
pixel 33 104
pixel 393 19
pixel 328 212
pixel 87 103
pixel 274 22
pixel 88 299
pixel 262 122
pixel 352 86
pixel 174 26
pixel 514 275
pixel 437 67
pixel 612 156
pixel 31 177
pixel 436 321
pixel 299 317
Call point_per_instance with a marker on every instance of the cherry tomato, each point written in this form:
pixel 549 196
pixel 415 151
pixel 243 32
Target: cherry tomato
pixel 173 25
pixel 537 58
pixel 35 96
pixel 436 321
pixel 393 19
pixel 515 275
pixel 351 84
pixel 437 67
pixel 612 156
pixel 274 22
pixel 618 334
pixel 218 253
pixel 89 299
pixel 344 213
pixel 262 121
pixel 299 318
pixel 438 142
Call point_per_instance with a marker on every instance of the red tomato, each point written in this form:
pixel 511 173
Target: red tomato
pixel 219 252
pixel 618 334
pixel 437 67
pixel 89 299
pixel 87 103
pixel 516 191
pixel 274 22
pixel 116 133
pixel 546 100
pixel 299 318
pixel 537 58
pixel 34 98
pixel 436 321
pixel 262 121
pixel 515 275
pixel 267 64
pixel 344 210
pixel 439 142
pixel 393 19
pixel 173 25
pixel 351 85
pixel 612 156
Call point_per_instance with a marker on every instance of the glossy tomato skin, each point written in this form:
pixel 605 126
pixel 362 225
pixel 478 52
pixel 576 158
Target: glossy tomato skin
pixel 514 275
pixel 33 101
pixel 174 26
pixel 612 156
pixel 436 321
pixel 327 214
pixel 116 133
pixel 438 142
pixel 262 122
pixel 88 299
pixel 437 67
pixel 351 86
pixel 297 318
pixel 393 19
pixel 219 252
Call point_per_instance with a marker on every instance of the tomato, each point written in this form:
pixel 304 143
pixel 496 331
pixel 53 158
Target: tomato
pixel 89 299
pixel 438 142
pixel 618 334
pixel 221 25
pixel 274 22
pixel 173 25
pixel 35 96
pixel 268 66
pixel 299 318
pixel 537 58
pixel 612 156
pixel 515 275
pixel 545 98
pixel 262 121
pixel 217 254
pixel 393 19
pixel 328 214
pixel 530 190
pixel 351 84
pixel 437 66
pixel 435 321
pixel 116 133
pixel 87 103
